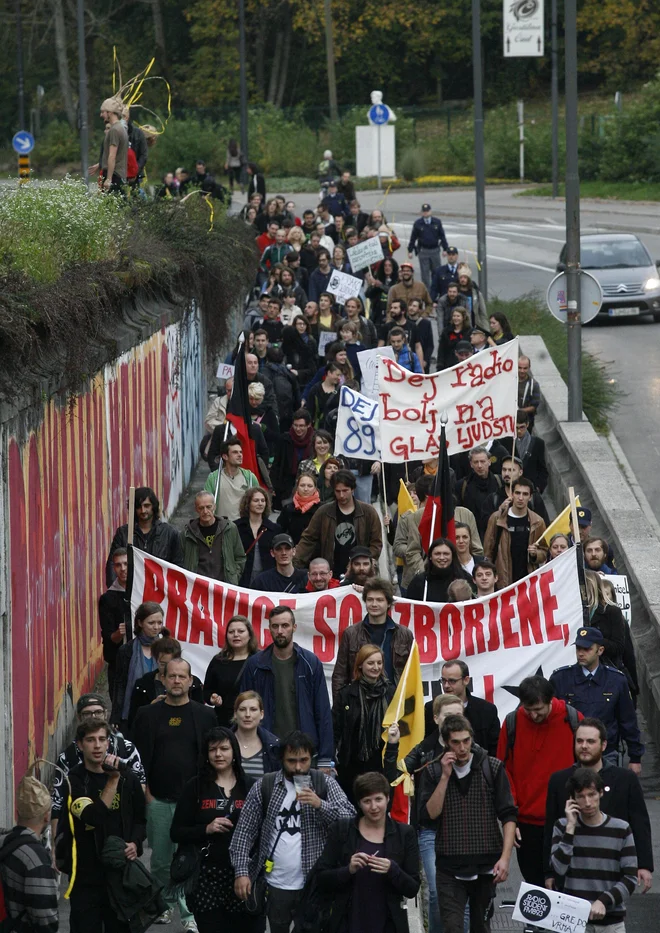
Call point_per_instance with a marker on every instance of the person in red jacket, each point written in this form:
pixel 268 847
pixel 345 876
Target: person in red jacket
pixel 534 742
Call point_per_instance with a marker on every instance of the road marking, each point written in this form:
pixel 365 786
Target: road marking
pixel 519 262
pixel 531 236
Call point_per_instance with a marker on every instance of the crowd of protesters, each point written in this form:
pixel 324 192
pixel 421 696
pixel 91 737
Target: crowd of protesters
pixel 260 792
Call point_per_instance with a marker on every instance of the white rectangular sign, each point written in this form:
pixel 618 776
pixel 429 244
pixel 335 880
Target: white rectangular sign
pixel 622 590
pixel 365 254
pixel 524 32
pixel 225 371
pixel 344 286
pixel 551 910
pixel 479 396
pixel 326 337
pixel 357 435
pixel 368 360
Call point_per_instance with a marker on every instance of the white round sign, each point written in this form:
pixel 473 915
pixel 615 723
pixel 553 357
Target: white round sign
pixel 591 297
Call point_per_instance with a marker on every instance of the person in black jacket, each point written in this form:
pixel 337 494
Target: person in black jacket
pixel 115 614
pixel 512 471
pixel 223 675
pixel 256 182
pixel 105 799
pixel 151 687
pixel 442 567
pixel 482 715
pixel 205 817
pixel 256 532
pixel 531 450
pixel 357 716
pixel 134 660
pixel 474 489
pixel 292 449
pixel 623 798
pixel 297 514
pixel 369 865
pixel 260 749
pixel 300 349
pixel 150 534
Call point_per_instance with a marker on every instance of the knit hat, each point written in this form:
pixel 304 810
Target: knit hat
pixel 32 799
pixel 113 105
pixel 464 269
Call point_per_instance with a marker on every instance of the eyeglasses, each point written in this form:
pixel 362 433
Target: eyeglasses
pixel 450 680
pixel 97 713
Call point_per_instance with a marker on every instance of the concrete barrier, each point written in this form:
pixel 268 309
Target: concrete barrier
pixel 596 466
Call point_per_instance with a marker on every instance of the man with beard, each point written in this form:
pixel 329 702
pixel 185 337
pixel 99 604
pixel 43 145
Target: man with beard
pixel 320 277
pixel 512 470
pixel 595 555
pixel 361 567
pixel 623 798
pixel 408 288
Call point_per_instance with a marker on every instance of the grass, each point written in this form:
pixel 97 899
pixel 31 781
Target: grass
pixel 299 185
pixel 529 316
pixel 607 190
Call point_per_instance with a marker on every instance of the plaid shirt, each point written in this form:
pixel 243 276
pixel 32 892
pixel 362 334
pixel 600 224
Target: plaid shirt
pixel 30 884
pixel 314 826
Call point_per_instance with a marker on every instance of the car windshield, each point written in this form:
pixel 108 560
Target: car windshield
pixel 614 254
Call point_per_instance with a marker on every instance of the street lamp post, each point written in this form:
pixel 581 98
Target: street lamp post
pixel 243 87
pixel 82 90
pixel 479 164
pixel 19 67
pixel 573 316
pixel 555 100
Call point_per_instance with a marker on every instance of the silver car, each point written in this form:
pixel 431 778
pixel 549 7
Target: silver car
pixel 627 274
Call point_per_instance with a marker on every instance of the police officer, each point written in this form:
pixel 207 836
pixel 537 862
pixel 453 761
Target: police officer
pixel 600 691
pixel 336 202
pixel 445 275
pixel 425 238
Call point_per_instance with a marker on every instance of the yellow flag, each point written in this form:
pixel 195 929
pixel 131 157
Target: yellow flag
pixel 404 501
pixel 407 706
pixel 561 525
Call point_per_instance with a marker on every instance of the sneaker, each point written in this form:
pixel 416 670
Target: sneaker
pixel 190 926
pixel 165 917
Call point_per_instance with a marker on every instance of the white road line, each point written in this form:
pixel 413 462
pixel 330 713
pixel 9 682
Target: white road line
pixel 519 262
pixel 529 236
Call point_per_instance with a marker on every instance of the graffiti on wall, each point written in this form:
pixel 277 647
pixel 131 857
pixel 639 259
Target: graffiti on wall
pixel 67 478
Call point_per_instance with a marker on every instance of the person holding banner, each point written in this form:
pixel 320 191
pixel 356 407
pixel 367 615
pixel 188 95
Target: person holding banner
pixel 441 567
pixel 357 715
pixel 458 329
pixel 558 544
pixel 150 534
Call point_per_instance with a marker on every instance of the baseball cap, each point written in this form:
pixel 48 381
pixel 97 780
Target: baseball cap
pixel 584 517
pixel 452 249
pixel 406 265
pixel 586 637
pixel 282 539
pixel 481 330
pixel 463 346
pixel 426 207
pixel 359 551
pixel 90 699
pixel 332 183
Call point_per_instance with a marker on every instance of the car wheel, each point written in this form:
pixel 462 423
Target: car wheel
pixel 656 317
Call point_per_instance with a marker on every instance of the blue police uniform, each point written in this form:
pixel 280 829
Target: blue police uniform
pixel 606 696
pixel 336 204
pixel 426 237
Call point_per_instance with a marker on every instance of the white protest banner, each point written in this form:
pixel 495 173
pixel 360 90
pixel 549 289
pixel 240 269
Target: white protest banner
pixel 357 426
pixel 479 395
pixel 343 286
pixel 622 590
pixel 326 337
pixel 225 371
pixel 365 254
pixel 551 910
pixel 504 637
pixel 368 360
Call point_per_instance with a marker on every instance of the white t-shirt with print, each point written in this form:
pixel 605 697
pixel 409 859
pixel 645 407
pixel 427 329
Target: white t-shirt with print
pixel 287 870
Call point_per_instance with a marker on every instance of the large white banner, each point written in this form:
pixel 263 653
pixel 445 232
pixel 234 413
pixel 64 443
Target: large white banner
pixel 357 434
pixel 480 398
pixel 503 638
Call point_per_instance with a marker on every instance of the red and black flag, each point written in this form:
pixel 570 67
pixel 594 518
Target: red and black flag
pixel 238 413
pixel 438 518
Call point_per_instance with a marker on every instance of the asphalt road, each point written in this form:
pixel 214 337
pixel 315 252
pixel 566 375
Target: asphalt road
pixel 524 238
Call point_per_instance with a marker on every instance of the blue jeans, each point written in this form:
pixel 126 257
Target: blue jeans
pixel 427 851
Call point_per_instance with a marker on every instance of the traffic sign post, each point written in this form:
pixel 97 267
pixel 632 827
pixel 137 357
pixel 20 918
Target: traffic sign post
pixel 591 297
pixel 523 28
pixel 23 144
pixel 379 115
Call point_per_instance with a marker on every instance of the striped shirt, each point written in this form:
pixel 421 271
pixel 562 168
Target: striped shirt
pixel 254 766
pixel 30 884
pixel 597 863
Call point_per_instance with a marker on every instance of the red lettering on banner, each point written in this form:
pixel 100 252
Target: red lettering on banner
pixel 527 601
pixel 403 611
pixel 510 639
pixel 553 631
pixel 493 628
pixel 450 632
pixel 260 609
pixel 323 644
pixel 473 614
pixel 489 688
pixel 425 636
pixel 176 619
pixel 406 447
pixel 201 622
pixel 351 612
pixel 154 582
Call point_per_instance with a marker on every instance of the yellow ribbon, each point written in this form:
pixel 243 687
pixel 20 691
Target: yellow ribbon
pixel 207 198
pixel 405 778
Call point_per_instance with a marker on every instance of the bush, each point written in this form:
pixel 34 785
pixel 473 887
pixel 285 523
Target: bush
pixel 412 164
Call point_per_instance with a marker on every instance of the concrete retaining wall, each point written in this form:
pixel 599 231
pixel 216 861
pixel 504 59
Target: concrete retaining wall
pixel 599 471
pixel 65 469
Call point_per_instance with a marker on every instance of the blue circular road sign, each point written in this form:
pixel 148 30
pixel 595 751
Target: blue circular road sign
pixel 23 142
pixel 379 114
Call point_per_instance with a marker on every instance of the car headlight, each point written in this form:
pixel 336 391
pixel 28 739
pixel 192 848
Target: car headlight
pixel 650 284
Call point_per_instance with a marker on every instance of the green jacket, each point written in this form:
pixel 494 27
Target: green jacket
pixel 224 561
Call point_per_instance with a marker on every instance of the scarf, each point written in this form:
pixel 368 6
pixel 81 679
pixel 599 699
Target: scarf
pixel 373 706
pixel 138 667
pixel 304 505
pixel 302 447
pixel 430 469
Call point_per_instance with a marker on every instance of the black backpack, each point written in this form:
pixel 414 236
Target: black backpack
pixel 572 719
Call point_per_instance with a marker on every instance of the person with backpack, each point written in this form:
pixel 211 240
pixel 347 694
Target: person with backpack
pixel 29 888
pixel 536 740
pixel 282 831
